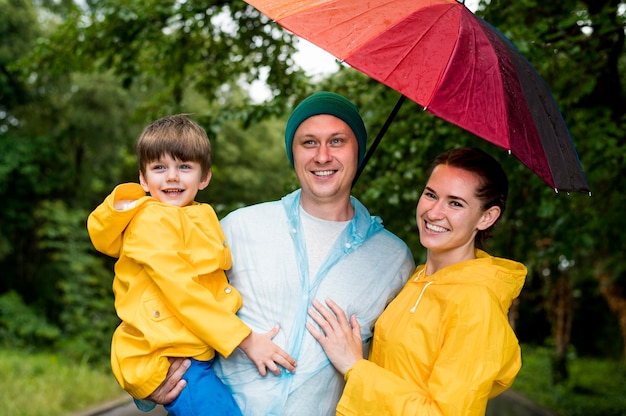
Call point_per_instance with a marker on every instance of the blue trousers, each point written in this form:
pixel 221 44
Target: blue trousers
pixel 204 394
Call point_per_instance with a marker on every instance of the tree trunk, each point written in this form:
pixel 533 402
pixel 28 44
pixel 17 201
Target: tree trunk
pixel 562 315
pixel 614 296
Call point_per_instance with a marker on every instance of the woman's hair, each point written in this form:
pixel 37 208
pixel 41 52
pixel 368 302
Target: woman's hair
pixel 177 136
pixel 493 185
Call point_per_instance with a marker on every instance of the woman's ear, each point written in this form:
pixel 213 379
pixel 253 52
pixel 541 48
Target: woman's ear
pixel 489 217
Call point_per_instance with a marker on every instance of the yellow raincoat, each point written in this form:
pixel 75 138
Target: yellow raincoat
pixel 443 346
pixel 171 292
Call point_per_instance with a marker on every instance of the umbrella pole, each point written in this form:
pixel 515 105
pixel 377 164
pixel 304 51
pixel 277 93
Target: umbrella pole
pixel 379 137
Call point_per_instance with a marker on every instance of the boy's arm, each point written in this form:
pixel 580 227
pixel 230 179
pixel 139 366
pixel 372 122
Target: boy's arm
pixel 107 222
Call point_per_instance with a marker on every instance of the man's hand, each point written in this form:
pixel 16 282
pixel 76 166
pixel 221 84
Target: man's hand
pixel 173 384
pixel 266 355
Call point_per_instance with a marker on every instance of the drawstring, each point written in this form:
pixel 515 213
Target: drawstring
pixel 419 274
pixel 423 289
pixel 420 298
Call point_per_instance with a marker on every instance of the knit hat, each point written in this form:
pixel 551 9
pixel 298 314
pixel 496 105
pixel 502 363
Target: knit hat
pixel 326 103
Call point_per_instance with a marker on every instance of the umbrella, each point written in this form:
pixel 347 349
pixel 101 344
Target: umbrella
pixel 451 62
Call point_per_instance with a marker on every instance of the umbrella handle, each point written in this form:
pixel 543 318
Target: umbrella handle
pixel 379 137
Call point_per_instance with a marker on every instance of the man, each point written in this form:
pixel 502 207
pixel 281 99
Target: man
pixel 315 243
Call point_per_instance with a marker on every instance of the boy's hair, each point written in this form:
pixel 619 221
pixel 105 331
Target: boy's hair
pixel 178 136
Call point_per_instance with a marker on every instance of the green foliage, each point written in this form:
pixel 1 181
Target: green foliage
pixel 201 45
pixel 21 327
pixel 596 387
pixel 83 285
pixel 26 176
pixel 52 385
pixel 17 31
pixel 239 158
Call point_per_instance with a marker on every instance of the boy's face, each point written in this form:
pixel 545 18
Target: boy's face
pixel 173 181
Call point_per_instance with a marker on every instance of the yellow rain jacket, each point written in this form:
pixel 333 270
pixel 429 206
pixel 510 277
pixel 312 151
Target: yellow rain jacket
pixel 443 346
pixel 171 292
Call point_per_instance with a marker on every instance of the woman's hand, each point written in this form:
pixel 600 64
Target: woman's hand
pixel 341 340
pixel 173 384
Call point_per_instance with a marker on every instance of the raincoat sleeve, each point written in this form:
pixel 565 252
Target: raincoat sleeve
pixel 106 224
pixel 154 241
pixel 478 359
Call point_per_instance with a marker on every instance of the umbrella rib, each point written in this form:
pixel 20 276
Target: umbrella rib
pixel 379 137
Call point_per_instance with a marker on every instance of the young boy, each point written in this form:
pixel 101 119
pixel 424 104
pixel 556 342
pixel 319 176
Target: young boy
pixel 171 292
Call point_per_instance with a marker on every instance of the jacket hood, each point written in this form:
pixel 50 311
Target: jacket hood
pixel 505 278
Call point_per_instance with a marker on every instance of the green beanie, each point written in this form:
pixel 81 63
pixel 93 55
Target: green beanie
pixel 326 103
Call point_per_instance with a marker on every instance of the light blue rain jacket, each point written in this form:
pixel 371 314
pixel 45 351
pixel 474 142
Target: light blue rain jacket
pixel 366 268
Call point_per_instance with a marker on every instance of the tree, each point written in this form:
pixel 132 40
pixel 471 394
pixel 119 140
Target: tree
pixel 203 46
pixel 17 31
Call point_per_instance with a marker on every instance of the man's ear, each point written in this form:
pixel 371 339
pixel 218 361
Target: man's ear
pixel 489 217
pixel 205 182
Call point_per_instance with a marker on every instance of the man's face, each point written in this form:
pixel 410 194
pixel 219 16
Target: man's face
pixel 325 156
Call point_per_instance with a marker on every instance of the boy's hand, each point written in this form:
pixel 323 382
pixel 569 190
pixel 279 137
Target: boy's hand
pixel 266 355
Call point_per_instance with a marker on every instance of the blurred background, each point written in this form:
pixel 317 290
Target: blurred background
pixel 79 81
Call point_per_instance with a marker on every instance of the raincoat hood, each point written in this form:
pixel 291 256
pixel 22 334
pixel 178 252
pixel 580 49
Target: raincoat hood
pixel 503 277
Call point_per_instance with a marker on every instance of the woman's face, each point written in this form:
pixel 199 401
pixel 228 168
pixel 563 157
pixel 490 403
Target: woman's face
pixel 449 214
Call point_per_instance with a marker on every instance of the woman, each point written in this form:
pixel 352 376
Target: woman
pixel 444 345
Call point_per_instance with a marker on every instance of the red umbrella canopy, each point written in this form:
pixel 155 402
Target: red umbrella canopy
pixel 453 63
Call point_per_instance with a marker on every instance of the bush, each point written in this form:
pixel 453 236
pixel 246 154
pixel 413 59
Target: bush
pixel 86 313
pixel 22 327
pixel 594 387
